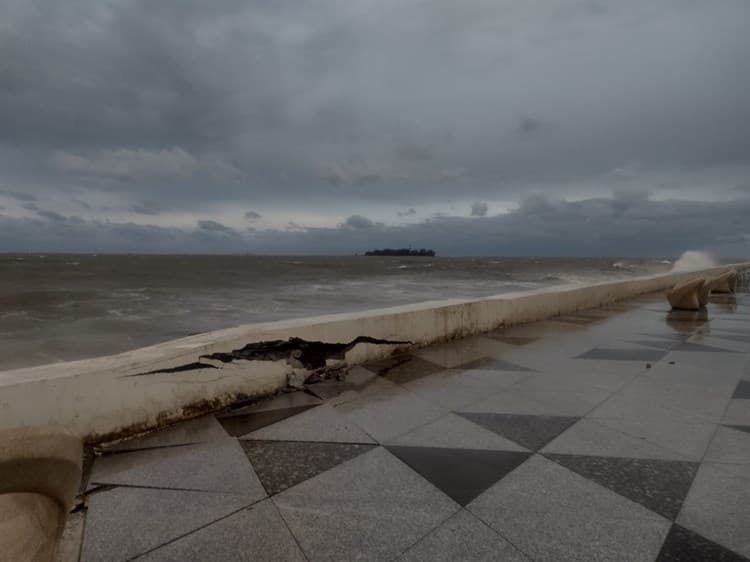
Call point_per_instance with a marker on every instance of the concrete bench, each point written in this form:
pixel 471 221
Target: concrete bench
pixel 40 472
pixel 689 295
pixel 725 283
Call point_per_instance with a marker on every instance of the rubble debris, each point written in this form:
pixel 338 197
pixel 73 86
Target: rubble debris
pixel 297 351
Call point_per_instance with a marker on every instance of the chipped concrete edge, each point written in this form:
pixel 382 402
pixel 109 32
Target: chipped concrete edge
pixel 99 399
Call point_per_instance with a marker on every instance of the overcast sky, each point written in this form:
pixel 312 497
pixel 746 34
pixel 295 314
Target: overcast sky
pixel 481 127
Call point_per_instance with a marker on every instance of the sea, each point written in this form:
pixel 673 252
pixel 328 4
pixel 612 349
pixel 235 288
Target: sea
pixel 57 307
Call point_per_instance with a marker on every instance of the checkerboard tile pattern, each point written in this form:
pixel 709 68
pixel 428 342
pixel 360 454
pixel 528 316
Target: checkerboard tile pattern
pixel 616 434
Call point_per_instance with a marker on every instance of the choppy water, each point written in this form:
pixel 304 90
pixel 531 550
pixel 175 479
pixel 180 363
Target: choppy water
pixel 65 307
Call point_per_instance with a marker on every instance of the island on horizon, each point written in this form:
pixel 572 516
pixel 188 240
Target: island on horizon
pixel 401 252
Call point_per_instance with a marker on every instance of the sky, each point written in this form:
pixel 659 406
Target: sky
pixel 480 127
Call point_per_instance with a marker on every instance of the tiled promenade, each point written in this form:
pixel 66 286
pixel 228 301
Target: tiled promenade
pixel 619 433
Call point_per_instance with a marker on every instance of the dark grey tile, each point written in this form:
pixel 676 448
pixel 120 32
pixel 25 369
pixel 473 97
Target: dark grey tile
pixel 683 545
pixel 623 354
pixel 493 364
pixel 512 340
pixel 745 428
pixel 461 474
pixel 282 464
pixel 242 424
pixel 532 432
pixel 659 485
pixel 403 368
pixel 689 346
pixel 742 390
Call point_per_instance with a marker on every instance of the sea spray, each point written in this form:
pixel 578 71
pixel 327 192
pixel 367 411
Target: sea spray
pixel 693 260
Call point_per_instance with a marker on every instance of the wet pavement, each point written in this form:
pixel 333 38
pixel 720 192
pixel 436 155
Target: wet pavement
pixel 618 433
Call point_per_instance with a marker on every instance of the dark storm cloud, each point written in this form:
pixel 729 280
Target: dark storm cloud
pixel 358 222
pixel 189 105
pixel 539 226
pixel 213 226
pixel 479 209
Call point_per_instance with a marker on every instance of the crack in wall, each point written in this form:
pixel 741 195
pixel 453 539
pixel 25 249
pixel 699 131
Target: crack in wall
pixel 178 369
pixel 297 351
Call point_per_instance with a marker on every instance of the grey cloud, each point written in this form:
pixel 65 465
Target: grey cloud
pixel 30 206
pixel 358 222
pixel 407 213
pixel 146 208
pixel 349 173
pixel 52 215
pixel 252 215
pixel 528 125
pixel 479 209
pixel 140 96
pixel 414 152
pixel 356 103
pixel 19 196
pixel 540 226
pixel 213 226
pixel 82 204
pixel 137 164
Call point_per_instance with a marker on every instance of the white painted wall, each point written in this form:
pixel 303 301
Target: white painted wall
pixel 97 397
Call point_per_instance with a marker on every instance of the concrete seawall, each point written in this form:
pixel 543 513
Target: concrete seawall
pixel 134 391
